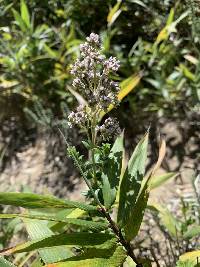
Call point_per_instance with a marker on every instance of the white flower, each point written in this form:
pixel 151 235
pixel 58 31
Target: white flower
pixel 112 64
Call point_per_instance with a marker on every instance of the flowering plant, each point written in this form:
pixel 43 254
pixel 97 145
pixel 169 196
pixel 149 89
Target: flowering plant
pixel 91 234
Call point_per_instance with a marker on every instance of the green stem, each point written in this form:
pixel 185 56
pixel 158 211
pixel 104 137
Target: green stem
pixel 122 240
pixel 93 132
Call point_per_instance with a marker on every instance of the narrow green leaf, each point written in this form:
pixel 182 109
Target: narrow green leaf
pixel 88 240
pixel 52 53
pixel 167 218
pixel 96 258
pixel 114 13
pixel 5 263
pixel 131 183
pixel 133 226
pixel 192 232
pixel 39 230
pixel 19 20
pixel 25 13
pixel 157 181
pixel 34 201
pixel 111 173
pixel 89 225
pixel 170 18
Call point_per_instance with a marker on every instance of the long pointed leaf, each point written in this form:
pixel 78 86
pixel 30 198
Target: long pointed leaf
pixel 34 201
pixel 25 13
pixel 88 240
pixel 19 20
pixel 131 182
pixel 90 225
pixel 133 226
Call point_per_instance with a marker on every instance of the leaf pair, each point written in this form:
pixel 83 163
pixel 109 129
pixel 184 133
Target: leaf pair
pixel 102 250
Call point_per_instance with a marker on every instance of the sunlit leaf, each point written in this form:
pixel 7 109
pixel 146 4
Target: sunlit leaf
pixel 19 20
pixel 126 87
pixel 167 219
pixel 25 13
pixel 39 230
pixel 5 263
pixel 191 257
pixel 114 13
pixel 96 258
pixel 159 180
pixel 87 240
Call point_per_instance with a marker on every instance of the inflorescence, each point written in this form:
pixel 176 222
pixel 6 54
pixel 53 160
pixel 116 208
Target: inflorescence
pixel 91 79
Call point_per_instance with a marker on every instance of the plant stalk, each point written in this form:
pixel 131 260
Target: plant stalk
pixel 118 233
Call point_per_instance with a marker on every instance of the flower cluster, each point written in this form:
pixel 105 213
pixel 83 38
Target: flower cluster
pixel 92 72
pixel 92 80
pixel 109 128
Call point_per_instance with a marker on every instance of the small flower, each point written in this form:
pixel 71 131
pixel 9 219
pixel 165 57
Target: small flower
pixel 79 118
pixel 112 64
pixel 93 39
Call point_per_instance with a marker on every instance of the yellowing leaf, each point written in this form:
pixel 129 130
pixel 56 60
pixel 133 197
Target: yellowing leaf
pixel 161 156
pixel 163 35
pixel 114 13
pixel 126 87
pixel 190 256
pixel 170 26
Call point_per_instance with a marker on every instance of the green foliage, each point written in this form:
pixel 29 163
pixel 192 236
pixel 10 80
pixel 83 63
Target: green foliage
pixel 182 230
pixel 131 184
pixel 37 49
pixel 35 201
pixel 5 263
pixel 57 226
pixel 111 173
